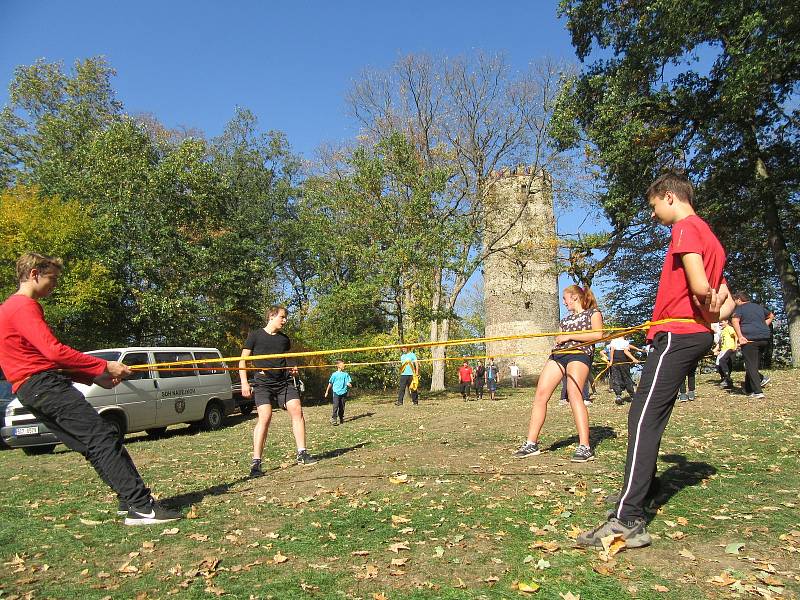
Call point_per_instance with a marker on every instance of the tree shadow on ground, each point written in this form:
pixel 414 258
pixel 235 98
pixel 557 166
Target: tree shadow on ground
pixel 680 475
pixel 361 416
pixel 597 434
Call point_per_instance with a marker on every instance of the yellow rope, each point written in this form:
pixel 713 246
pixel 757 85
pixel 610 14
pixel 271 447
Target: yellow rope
pixel 615 332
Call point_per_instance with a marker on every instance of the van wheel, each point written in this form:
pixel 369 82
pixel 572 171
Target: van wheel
pixel 214 417
pixel 246 409
pixel 156 432
pixel 37 450
pixel 117 422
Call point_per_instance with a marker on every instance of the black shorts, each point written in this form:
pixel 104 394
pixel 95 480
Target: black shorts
pixel 564 359
pixel 276 397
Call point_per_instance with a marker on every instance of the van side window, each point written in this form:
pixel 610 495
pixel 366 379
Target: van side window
pixel 162 357
pixel 137 358
pixel 206 368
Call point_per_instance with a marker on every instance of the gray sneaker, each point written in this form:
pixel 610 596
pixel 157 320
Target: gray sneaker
pixel 765 381
pixel 635 536
pixel 683 398
pixel 691 395
pixel 528 449
pixel 582 454
pixel 304 458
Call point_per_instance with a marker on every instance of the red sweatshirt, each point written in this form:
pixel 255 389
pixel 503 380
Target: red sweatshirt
pixel 27 346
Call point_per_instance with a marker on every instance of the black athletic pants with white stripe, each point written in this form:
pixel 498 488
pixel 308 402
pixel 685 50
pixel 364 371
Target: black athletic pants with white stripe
pixel 671 358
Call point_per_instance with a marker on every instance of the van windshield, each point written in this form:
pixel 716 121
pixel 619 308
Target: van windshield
pixel 105 354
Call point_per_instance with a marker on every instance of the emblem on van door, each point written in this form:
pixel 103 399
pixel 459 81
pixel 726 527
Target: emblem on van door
pixel 180 405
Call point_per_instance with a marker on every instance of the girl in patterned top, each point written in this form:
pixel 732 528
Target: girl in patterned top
pixel 571 358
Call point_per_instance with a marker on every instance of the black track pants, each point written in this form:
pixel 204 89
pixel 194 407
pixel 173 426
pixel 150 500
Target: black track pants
pixel 53 399
pixel 671 358
pixel 405 382
pixel 752 354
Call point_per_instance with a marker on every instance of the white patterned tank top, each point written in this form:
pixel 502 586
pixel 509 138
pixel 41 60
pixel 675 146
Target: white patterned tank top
pixel 577 322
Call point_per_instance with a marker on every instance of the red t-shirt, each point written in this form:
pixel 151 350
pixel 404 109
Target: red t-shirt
pixel 465 374
pixel 691 235
pixel 27 346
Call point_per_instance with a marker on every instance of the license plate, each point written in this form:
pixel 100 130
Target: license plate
pixel 26 430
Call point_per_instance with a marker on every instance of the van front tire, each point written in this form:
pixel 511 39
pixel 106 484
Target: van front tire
pixel 117 422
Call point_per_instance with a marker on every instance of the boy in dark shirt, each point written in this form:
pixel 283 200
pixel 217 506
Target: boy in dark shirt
pixel 691 287
pixel 41 371
pixel 751 322
pixel 273 386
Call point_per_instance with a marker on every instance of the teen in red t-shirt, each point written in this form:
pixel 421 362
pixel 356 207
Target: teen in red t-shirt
pixel 465 379
pixel 41 371
pixel 691 287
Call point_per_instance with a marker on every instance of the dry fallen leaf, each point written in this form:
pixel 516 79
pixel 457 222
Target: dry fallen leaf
pixel 279 558
pixel 360 553
pixel 89 522
pixel 612 544
pixel 660 588
pixel 686 554
pixel 171 531
pixel 723 579
pixel 192 514
pixel 570 596
pixel 398 546
pixel 399 562
pixel 527 588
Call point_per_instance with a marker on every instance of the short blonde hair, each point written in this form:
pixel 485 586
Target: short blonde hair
pixel 42 263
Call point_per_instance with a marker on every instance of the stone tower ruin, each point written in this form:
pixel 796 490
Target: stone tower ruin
pixel 520 276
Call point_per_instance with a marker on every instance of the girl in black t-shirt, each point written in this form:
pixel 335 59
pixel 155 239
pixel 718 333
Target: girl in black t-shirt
pixel 273 385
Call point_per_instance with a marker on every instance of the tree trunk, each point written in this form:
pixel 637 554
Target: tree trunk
pixel 786 271
pixel 440 331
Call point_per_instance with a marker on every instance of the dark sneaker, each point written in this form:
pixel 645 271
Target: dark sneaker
pixel 341 421
pixel 619 401
pixel 683 398
pixel 582 454
pixel 765 381
pixel 304 458
pixel 691 396
pixel 635 535
pixel 123 508
pixel 528 449
pixel 152 515
pixel 255 469
pixel 334 422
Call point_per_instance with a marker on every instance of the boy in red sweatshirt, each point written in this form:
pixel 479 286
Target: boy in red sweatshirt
pixel 691 287
pixel 41 371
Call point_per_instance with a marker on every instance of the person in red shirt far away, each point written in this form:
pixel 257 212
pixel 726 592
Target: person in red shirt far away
pixel 691 287
pixel 41 371
pixel 465 379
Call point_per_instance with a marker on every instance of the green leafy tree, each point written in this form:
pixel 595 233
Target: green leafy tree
pixel 647 99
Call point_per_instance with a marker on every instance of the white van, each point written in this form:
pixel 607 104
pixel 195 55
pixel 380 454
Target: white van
pixel 148 400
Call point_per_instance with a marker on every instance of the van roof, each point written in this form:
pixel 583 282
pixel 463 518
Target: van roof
pixel 157 349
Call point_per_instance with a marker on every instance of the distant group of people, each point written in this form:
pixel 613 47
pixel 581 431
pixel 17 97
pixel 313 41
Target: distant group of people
pixel 483 375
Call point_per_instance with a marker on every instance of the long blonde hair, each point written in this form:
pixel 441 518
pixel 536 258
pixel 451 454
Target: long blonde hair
pixel 586 296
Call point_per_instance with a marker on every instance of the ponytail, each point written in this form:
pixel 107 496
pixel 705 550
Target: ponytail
pixel 586 295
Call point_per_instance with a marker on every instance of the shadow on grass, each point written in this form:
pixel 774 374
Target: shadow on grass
pixel 361 416
pixel 680 475
pixel 189 498
pixel 340 451
pixel 597 434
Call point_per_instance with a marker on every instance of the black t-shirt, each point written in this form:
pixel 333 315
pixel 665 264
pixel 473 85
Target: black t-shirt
pixel 752 318
pixel 260 342
pixel 480 371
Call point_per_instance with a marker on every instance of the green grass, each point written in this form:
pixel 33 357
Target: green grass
pixel 433 488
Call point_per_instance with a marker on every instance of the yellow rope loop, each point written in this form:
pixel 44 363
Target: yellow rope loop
pixel 613 332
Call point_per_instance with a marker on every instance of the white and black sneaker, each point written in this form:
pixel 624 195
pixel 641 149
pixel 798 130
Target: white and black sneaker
pixel 123 508
pixel 765 381
pixel 255 468
pixel 153 514
pixel 304 458
pixel 528 449
pixel 582 454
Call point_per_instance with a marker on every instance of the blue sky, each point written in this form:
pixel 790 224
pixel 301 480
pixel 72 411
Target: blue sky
pixel 192 63
pixel 291 63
